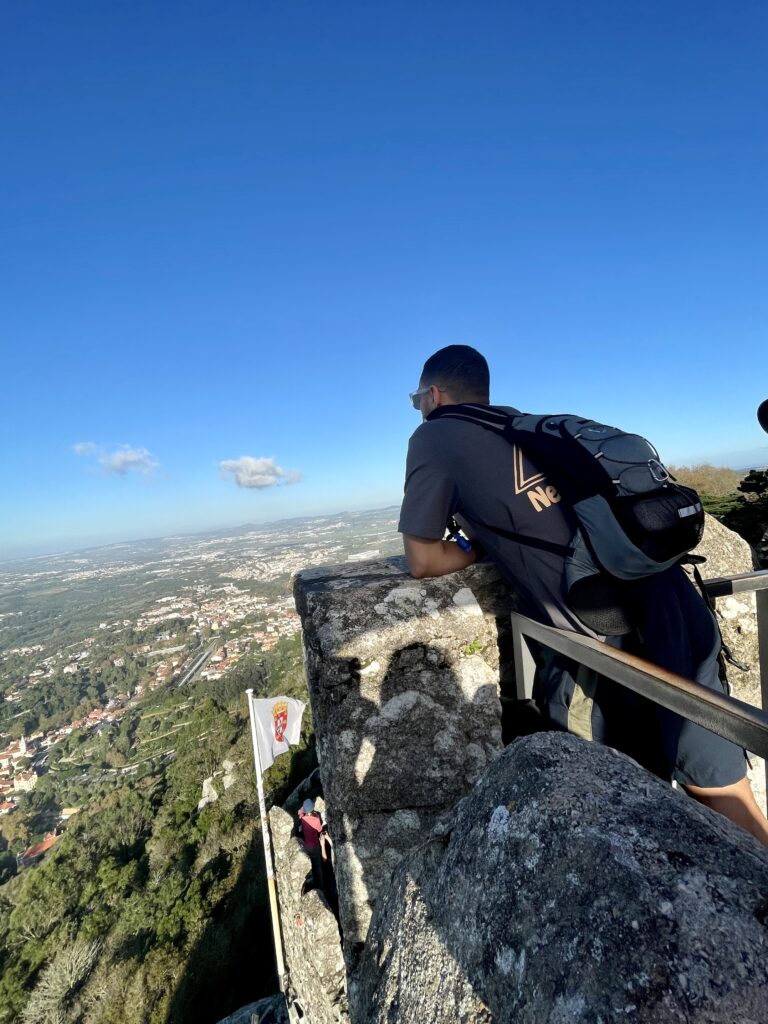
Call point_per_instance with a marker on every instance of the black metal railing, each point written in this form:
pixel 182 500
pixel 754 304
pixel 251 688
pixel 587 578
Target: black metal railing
pixel 734 719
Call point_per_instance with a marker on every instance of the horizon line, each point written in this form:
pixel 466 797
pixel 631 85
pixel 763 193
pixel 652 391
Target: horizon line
pixel 61 552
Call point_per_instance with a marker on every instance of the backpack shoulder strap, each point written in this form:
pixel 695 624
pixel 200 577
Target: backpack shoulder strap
pixel 499 421
pixel 564 550
pixel 576 473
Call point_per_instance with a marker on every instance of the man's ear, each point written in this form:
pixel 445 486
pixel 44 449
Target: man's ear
pixel 440 396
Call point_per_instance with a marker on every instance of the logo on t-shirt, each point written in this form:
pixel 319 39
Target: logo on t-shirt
pixel 529 481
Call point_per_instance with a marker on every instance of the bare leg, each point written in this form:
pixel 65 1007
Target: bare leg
pixel 736 802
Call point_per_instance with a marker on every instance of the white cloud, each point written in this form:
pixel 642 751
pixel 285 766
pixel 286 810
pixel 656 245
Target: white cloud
pixel 257 473
pixel 124 459
pixel 118 461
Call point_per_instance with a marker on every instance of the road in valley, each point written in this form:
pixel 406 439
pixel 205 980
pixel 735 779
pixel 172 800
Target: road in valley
pixel 197 665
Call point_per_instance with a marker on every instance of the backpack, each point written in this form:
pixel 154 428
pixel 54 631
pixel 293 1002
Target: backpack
pixel 634 520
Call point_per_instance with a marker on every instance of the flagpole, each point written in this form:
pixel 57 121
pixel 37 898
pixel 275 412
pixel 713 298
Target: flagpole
pixel 277 939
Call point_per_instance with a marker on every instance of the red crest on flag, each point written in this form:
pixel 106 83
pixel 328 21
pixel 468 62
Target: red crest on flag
pixel 280 720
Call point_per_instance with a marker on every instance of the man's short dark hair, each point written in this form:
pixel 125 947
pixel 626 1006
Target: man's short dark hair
pixel 461 370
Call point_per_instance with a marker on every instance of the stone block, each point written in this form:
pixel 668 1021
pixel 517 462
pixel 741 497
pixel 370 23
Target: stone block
pixel 573 887
pixel 403 678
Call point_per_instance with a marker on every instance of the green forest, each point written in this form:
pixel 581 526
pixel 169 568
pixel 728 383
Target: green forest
pixel 146 910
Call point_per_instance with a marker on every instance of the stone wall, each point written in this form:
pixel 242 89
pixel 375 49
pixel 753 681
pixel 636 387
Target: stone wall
pixel 405 679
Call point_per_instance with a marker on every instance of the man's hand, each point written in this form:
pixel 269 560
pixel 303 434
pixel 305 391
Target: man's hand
pixel 434 557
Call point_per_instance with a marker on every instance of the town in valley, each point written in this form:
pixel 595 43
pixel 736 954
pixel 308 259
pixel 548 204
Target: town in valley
pixel 87 639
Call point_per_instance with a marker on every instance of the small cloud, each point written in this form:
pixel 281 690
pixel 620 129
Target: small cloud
pixel 124 459
pixel 118 461
pixel 257 473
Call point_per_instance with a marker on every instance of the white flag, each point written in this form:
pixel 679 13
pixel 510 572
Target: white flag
pixel 278 726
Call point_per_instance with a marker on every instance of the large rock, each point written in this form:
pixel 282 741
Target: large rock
pixel 209 795
pixel 310 931
pixel 728 554
pixel 403 679
pixel 573 887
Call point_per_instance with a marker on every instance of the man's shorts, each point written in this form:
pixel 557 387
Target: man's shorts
pixel 679 634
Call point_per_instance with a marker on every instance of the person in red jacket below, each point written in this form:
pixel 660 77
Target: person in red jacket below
pixel 311 828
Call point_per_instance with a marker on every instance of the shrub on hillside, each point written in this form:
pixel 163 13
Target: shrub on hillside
pixel 710 481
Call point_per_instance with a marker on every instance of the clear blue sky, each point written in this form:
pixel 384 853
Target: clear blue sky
pixel 238 228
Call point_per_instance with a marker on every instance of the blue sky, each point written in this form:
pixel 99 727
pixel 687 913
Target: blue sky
pixel 238 228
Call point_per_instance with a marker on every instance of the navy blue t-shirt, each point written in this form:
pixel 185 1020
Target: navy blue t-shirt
pixel 456 468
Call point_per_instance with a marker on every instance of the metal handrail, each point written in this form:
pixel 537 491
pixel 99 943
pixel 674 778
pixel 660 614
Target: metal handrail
pixel 728 717
pixel 722 586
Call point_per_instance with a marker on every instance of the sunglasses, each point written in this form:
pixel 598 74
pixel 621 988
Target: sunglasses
pixel 415 397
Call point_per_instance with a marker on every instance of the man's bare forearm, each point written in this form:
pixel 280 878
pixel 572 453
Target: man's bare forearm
pixel 434 557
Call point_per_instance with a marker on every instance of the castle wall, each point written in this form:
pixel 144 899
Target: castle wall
pixel 405 678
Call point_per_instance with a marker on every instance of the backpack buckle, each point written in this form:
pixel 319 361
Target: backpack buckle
pixel 659 473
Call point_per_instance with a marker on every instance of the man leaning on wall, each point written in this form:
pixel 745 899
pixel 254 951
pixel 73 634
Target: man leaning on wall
pixel 456 468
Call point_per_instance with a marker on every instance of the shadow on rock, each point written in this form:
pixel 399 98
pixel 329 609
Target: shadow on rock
pixel 411 742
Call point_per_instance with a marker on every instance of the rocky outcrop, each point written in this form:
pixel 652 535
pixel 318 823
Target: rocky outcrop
pixel 225 777
pixel 310 931
pixel 209 795
pixel 572 887
pixel 728 554
pixel 403 679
